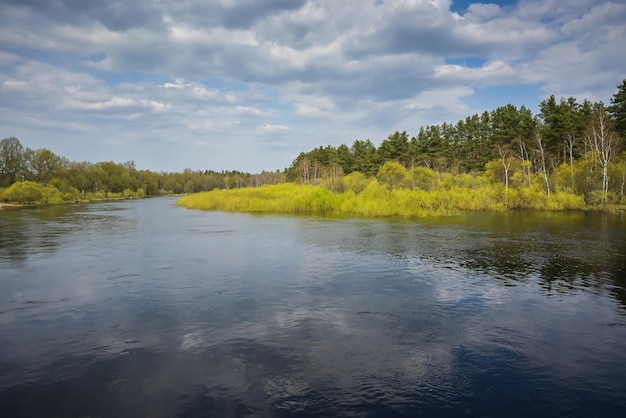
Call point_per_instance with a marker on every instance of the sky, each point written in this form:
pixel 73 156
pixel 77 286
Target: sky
pixel 249 84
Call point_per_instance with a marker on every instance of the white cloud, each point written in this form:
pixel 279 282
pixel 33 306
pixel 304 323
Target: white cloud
pixel 16 85
pixel 308 111
pixel 332 71
pixel 177 84
pixel 481 11
pixel 493 73
pixel 269 128
pixel 114 102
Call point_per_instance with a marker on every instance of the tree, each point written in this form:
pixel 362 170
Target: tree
pixel 601 139
pixel 41 164
pixel 395 148
pixel 509 122
pixel 506 155
pixel 365 157
pixel 617 110
pixel 334 174
pixel 525 159
pixel 23 192
pixel 80 175
pixel 149 181
pixel 393 174
pixel 562 123
pixel 303 167
pixel 355 181
pixel 473 150
pixel 11 160
pixel 542 155
pixel 345 158
pixel 432 147
pixel 552 131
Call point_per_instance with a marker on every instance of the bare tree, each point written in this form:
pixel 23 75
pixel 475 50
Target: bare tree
pixel 542 155
pixel 601 141
pixel 623 180
pixel 523 156
pixel 507 158
pixel 570 139
pixel 303 170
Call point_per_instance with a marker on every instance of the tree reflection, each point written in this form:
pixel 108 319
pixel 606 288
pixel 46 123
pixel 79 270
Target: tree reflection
pixel 25 231
pixel 561 252
pixel 40 230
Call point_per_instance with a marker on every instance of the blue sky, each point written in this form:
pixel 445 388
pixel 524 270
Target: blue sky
pixel 248 84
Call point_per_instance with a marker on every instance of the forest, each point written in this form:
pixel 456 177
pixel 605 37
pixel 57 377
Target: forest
pixel 571 155
pixel 30 176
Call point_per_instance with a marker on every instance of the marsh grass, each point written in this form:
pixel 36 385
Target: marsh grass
pixel 377 199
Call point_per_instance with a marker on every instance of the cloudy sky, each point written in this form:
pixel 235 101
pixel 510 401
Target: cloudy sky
pixel 248 84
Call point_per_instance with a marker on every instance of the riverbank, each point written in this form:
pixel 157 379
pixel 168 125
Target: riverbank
pixel 14 205
pixel 9 205
pixel 379 200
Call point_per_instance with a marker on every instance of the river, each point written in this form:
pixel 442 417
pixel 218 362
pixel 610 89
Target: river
pixel 142 308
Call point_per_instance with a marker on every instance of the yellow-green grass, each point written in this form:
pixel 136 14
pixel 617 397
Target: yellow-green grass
pixel 377 200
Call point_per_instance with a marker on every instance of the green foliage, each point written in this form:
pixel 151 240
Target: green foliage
pixel 23 192
pixel 28 192
pixel 41 165
pixel 109 180
pixel 394 175
pixel 457 194
pixel 618 110
pixel 365 157
pixel 396 148
pixel 355 181
pixel 424 178
pixel 11 160
pixel 563 158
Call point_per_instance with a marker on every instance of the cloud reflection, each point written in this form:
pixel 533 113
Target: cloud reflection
pixel 297 316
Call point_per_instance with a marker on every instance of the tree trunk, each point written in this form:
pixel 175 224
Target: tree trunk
pixel 543 161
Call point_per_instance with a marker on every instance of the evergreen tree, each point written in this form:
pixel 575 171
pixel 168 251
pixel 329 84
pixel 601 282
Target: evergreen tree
pixel 395 148
pixel 345 158
pixel 617 110
pixel 365 157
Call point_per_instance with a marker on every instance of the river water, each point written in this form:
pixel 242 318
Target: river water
pixel 142 308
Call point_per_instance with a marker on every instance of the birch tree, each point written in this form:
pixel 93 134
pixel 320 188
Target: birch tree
pixel 507 159
pixel 601 140
pixel 542 156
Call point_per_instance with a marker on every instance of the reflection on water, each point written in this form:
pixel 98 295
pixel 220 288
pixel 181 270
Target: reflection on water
pixel 141 308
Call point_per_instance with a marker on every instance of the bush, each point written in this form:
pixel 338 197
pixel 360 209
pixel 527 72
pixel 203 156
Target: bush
pixel 355 181
pixel 23 192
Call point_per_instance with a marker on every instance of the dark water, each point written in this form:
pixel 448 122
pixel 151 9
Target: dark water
pixel 141 308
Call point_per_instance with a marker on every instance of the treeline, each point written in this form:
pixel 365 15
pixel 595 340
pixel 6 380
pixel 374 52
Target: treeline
pixel 569 146
pixel 40 175
pixel 569 152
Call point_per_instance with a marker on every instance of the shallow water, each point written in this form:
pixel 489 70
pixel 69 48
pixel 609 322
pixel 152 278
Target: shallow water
pixel 142 308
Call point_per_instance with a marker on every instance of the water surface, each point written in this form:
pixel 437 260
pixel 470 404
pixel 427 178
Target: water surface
pixel 142 308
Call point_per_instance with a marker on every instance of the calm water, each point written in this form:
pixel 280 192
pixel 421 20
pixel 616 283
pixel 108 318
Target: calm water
pixel 141 308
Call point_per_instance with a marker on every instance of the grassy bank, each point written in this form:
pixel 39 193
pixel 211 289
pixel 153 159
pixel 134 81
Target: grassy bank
pixel 379 200
pixel 31 193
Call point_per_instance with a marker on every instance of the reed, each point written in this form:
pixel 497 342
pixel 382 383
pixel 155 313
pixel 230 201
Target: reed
pixel 377 200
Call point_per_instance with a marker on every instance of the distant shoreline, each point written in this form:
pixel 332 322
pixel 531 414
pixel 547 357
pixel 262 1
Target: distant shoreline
pixel 9 205
pixel 377 200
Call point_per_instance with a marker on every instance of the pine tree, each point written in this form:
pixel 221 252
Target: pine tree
pixel 617 110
